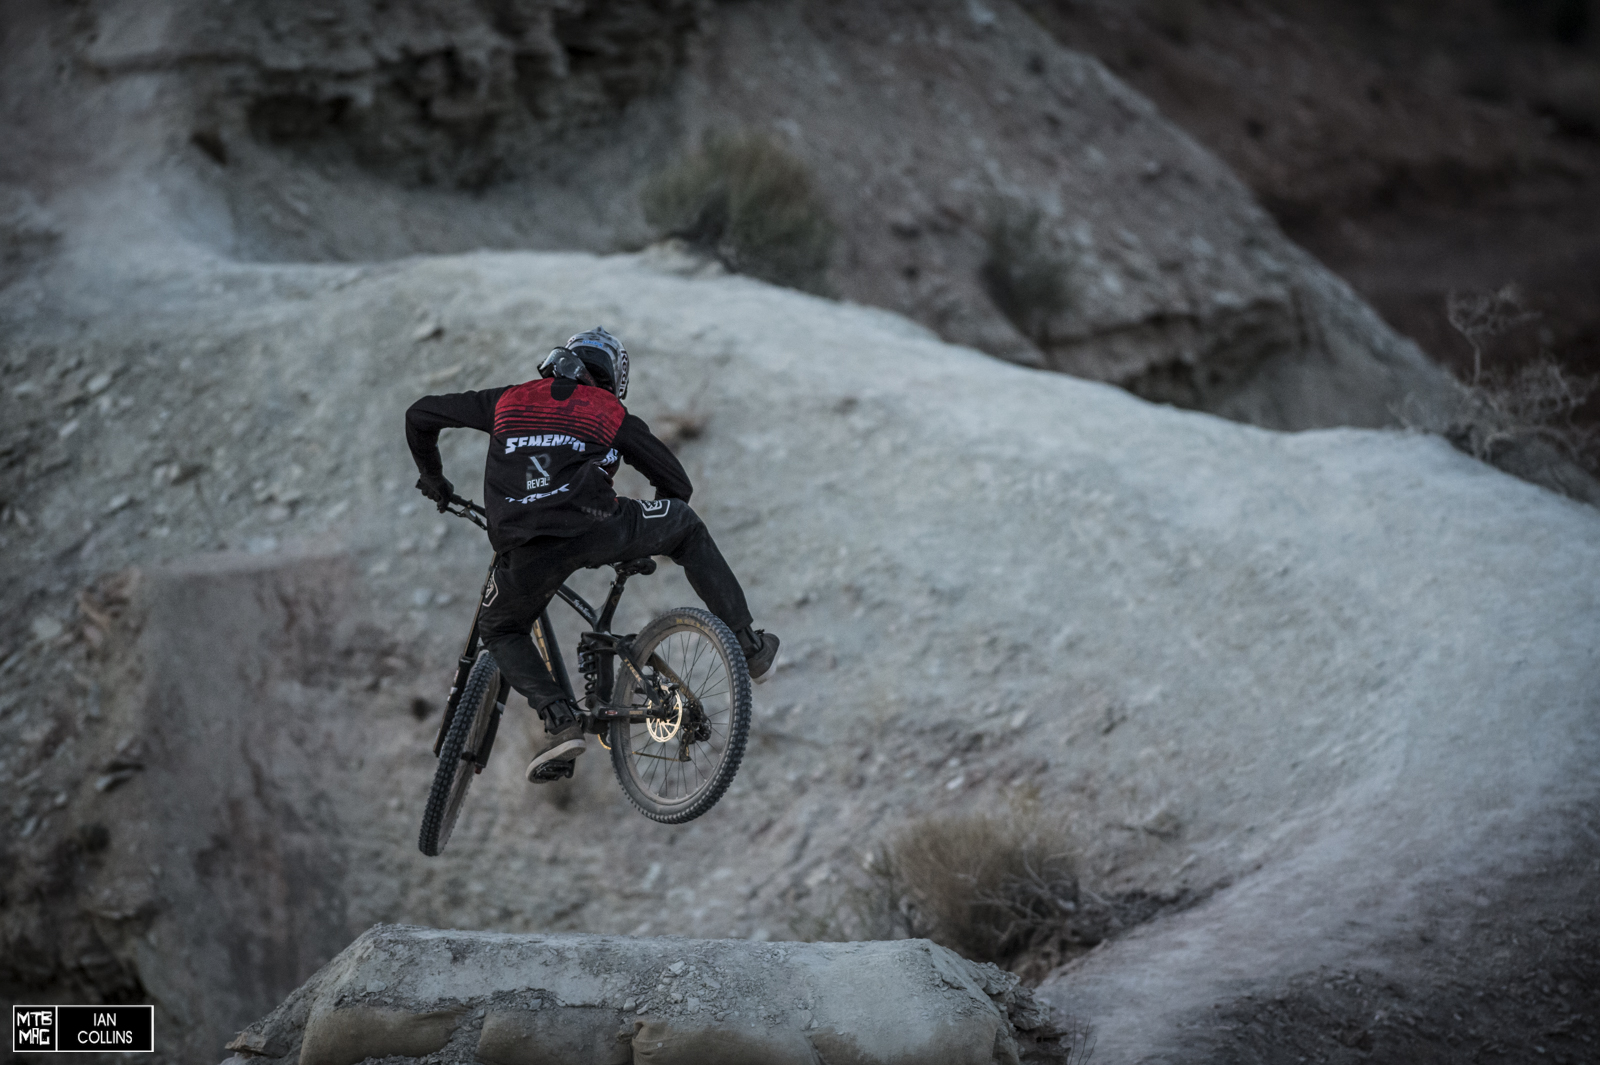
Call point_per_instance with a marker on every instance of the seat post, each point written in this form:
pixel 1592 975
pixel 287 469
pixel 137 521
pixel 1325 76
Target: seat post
pixel 603 622
pixel 624 570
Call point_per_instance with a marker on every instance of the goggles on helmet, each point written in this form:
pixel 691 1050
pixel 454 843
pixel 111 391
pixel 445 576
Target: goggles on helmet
pixel 564 363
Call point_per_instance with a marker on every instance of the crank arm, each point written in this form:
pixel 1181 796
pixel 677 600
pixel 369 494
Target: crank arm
pixel 595 720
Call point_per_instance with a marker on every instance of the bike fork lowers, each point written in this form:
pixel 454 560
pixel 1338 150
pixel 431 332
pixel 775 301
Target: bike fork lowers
pixel 469 655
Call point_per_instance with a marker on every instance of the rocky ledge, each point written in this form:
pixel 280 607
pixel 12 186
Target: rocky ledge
pixel 404 993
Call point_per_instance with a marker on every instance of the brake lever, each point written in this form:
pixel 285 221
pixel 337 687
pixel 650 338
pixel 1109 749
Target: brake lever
pixel 468 509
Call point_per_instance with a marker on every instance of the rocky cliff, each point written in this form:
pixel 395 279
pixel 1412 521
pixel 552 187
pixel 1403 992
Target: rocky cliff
pixel 333 131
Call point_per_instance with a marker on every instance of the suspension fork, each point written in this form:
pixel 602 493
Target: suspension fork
pixel 469 655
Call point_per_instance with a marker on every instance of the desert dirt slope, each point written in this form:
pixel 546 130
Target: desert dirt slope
pixel 334 132
pixel 1331 682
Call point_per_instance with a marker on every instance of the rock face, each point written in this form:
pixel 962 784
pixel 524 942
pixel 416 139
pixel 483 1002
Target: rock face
pixel 310 130
pixel 405 993
pixel 212 862
pixel 1413 155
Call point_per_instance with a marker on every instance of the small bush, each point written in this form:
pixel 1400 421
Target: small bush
pixel 1482 316
pixel 1501 412
pixel 990 888
pixel 1537 401
pixel 743 199
pixel 1026 276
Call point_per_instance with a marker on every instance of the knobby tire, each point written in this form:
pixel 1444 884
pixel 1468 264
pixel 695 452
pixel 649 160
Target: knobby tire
pixel 468 728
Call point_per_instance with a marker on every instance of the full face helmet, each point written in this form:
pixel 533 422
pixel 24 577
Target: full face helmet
pixel 593 358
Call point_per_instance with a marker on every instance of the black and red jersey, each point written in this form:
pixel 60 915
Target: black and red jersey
pixel 553 447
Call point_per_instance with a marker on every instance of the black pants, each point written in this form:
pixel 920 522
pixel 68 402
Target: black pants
pixel 528 577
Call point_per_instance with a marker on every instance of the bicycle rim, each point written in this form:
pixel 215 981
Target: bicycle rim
pixel 675 769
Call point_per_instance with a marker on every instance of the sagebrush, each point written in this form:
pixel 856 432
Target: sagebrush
pixel 1027 276
pixel 747 201
pixel 989 885
pixel 1502 409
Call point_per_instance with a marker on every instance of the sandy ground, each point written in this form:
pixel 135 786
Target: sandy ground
pixel 1341 683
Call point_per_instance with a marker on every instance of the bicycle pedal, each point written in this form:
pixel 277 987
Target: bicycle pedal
pixel 551 772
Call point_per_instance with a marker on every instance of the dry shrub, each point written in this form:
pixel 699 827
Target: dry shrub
pixel 1482 316
pixel 1024 273
pixel 677 427
pixel 992 888
pixel 745 200
pixel 1537 401
pixel 1520 418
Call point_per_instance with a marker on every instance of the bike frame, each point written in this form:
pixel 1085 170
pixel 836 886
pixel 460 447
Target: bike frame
pixel 598 712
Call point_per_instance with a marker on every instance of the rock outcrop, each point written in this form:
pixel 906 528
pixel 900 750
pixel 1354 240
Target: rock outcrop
pixel 208 853
pixel 326 131
pixel 406 993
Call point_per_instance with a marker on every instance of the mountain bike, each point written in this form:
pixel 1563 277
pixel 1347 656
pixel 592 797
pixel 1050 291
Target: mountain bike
pixel 671 703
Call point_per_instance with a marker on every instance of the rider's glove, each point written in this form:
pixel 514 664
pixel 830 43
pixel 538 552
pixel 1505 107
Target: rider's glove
pixel 437 487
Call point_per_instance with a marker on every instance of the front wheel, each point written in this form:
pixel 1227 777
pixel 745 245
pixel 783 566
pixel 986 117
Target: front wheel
pixel 465 749
pixel 677 763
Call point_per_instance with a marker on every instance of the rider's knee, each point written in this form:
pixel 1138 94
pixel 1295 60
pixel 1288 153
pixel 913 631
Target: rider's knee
pixel 691 534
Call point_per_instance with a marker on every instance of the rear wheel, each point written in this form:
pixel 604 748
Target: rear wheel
pixel 676 765
pixel 464 749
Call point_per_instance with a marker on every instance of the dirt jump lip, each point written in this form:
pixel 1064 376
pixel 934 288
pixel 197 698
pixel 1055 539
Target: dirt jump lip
pixel 513 998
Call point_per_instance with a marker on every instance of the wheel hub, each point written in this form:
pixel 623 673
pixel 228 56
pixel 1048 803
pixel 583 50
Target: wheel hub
pixel 664 728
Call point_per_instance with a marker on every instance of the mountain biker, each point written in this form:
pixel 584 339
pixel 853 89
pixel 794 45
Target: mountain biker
pixel 554 443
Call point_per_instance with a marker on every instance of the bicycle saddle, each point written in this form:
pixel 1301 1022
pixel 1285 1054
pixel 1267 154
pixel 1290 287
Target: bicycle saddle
pixel 643 566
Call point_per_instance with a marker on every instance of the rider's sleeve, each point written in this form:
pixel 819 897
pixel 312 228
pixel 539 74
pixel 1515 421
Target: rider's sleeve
pixel 641 449
pixel 459 410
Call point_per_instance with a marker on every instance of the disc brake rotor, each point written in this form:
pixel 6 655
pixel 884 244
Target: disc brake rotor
pixel 662 729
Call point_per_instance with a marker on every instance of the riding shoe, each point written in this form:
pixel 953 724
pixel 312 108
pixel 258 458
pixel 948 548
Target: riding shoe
pixel 760 648
pixel 562 745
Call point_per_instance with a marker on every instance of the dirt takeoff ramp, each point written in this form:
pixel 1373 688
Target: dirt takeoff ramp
pixel 402 993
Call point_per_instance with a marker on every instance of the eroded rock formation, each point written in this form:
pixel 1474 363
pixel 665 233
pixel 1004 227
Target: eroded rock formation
pixel 406 993
pixel 336 131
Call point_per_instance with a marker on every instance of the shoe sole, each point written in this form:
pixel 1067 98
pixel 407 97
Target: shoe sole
pixel 561 752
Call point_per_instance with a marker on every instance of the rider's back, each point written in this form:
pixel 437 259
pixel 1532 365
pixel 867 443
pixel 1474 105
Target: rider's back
pixel 553 447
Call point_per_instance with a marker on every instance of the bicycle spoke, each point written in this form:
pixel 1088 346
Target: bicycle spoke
pixel 662 757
